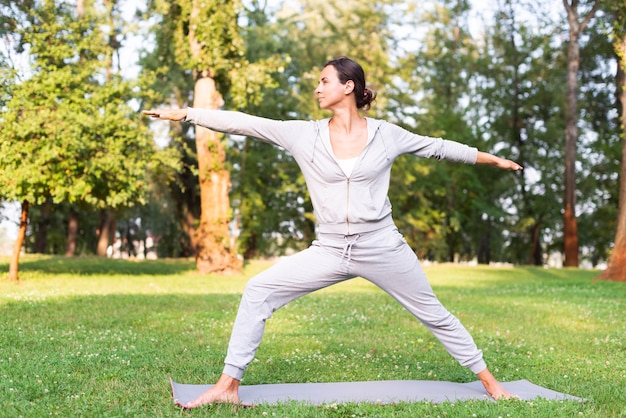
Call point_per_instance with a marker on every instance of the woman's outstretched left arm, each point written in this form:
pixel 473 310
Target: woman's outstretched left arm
pixel 486 158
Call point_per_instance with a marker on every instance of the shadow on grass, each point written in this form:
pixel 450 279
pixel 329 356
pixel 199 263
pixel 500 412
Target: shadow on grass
pixel 92 265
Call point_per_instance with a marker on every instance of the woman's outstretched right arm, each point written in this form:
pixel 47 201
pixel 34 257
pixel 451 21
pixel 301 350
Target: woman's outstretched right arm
pixel 283 133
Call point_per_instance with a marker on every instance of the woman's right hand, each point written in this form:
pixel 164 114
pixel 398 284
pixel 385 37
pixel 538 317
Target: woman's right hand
pixel 167 114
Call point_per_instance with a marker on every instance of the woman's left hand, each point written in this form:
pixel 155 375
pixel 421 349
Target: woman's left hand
pixel 508 164
pixel 503 163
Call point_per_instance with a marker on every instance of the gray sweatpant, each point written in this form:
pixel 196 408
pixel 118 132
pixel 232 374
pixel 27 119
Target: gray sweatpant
pixel 383 257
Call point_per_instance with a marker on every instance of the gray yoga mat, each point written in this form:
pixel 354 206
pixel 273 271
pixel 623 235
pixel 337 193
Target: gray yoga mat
pixel 382 392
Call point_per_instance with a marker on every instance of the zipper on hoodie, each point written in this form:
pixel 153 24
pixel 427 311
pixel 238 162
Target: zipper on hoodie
pixel 348 204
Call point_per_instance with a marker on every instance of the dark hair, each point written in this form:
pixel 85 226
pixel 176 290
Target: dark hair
pixel 348 69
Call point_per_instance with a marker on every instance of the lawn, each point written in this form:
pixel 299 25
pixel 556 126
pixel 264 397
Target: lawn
pixel 96 338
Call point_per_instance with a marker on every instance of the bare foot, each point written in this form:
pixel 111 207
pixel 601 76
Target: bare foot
pixel 493 387
pixel 226 390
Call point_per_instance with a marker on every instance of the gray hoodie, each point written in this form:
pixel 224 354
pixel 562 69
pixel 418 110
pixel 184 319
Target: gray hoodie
pixel 344 205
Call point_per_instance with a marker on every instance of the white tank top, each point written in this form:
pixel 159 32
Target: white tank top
pixel 347 165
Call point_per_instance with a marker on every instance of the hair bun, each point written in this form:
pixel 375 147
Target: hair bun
pixel 367 99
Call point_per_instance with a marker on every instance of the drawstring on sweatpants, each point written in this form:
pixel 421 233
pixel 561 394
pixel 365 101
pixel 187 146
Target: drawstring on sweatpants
pixel 346 255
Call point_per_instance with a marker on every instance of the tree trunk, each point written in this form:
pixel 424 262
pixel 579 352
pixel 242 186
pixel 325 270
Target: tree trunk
pixel 570 223
pixel 536 254
pixel 107 226
pixel 17 248
pixel 213 250
pixel 72 233
pixel 616 269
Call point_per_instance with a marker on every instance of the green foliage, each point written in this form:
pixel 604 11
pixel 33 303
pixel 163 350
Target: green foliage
pixel 312 32
pixel 521 109
pixel 69 134
pixel 204 38
pixel 214 26
pixel 7 77
pixel 68 131
pixel 440 206
pixel 96 337
pixel 602 150
pixel 194 39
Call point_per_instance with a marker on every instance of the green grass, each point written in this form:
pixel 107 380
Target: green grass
pixel 92 337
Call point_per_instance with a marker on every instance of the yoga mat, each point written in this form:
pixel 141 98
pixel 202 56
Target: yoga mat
pixel 380 392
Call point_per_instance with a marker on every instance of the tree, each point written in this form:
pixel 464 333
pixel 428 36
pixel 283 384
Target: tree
pixel 576 29
pixel 599 146
pixel 521 113
pixel 165 80
pixel 67 128
pixel 206 42
pixel 616 268
pixel 434 202
pixel 212 31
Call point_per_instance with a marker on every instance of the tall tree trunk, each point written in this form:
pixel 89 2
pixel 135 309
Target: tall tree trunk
pixel 570 223
pixel 213 250
pixel 17 248
pixel 72 233
pixel 616 269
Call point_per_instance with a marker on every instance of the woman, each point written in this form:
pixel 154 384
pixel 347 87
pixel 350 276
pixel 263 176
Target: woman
pixel 346 161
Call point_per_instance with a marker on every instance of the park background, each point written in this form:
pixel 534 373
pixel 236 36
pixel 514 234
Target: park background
pixel 529 81
pixel 85 179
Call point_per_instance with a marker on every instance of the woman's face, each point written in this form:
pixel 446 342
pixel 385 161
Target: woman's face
pixel 330 91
